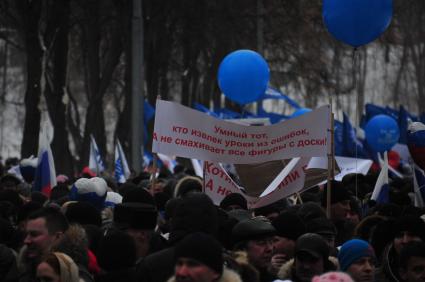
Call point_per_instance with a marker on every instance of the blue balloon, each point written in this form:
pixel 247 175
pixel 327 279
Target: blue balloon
pixel 300 112
pixel 357 22
pixel 382 133
pixel 243 76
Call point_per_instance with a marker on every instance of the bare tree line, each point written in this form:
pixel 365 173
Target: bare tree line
pixel 75 55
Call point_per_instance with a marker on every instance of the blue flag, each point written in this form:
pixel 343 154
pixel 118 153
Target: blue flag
pixel 352 146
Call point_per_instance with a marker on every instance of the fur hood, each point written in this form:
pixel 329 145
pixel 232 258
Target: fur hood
pixel 285 272
pixel 228 276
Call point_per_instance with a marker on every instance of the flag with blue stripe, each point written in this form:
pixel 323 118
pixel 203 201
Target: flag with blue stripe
pixel 95 161
pixel 45 174
pixel 122 172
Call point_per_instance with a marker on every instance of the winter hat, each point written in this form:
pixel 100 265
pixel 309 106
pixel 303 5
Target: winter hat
pixel 116 251
pixel 289 225
pixel 333 276
pixel 137 195
pixel 312 244
pixel 194 213
pixel 353 250
pixel 234 199
pixel 91 190
pixel 112 198
pixel 87 172
pixel 62 178
pixel 203 248
pixel 187 184
pixel 252 229
pixel 83 213
pixel 412 224
pixel 322 226
pixel 135 215
pixel 338 193
pixel 27 167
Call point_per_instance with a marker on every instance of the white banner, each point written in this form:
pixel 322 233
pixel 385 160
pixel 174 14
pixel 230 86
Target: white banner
pixel 346 165
pixel 218 184
pixel 188 133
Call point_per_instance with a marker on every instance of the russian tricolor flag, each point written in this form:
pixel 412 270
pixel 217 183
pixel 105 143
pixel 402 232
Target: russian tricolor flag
pixel 382 188
pixel 45 174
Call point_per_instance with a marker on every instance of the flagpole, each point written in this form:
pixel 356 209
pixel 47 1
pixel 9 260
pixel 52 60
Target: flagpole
pixel 155 160
pixel 331 163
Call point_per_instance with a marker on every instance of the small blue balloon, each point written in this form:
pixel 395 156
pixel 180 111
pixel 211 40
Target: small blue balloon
pixel 382 133
pixel 300 112
pixel 243 76
pixel 357 22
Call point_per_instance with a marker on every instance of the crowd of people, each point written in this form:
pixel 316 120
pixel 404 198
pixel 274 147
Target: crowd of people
pixel 165 229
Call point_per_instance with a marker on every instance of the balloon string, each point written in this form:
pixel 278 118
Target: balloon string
pixel 355 62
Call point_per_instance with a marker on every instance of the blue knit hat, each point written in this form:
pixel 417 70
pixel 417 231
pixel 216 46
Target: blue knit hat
pixel 353 250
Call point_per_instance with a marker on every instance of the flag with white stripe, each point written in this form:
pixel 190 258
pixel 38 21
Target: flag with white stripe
pixel 381 191
pixel 95 162
pixel 122 172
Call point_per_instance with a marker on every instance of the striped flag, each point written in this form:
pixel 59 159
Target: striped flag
pixel 95 162
pixel 45 174
pixel 419 186
pixel 381 191
pixel 122 172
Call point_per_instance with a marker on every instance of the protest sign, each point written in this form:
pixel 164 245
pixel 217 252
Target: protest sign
pixel 185 132
pixel 218 184
pixel 346 166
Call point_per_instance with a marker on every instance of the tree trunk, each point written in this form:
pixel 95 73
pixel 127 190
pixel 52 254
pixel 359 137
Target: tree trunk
pixel 30 11
pixel 57 38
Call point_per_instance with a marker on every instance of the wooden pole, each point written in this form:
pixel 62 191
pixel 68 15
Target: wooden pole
pixel 331 164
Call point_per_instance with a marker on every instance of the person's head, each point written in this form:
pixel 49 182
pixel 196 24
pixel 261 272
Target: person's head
pixel 333 276
pixel 116 251
pixel 57 267
pixel 357 258
pixel 412 262
pixel 324 227
pixel 139 221
pixel 234 201
pixel 43 229
pixel 340 201
pixel 187 185
pixel 193 213
pixel 198 258
pixel 311 257
pixel 255 237
pixel 289 226
pixel 408 229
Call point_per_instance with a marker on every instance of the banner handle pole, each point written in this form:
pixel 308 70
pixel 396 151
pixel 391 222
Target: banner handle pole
pixel 155 161
pixel 331 164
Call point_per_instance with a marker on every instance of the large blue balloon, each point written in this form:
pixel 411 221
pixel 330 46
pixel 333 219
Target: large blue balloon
pixel 243 76
pixel 382 133
pixel 357 22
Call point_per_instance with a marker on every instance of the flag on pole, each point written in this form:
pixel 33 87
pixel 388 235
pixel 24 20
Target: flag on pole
pixel 169 162
pixel 45 174
pixel 419 186
pixel 381 191
pixel 122 172
pixel 95 162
